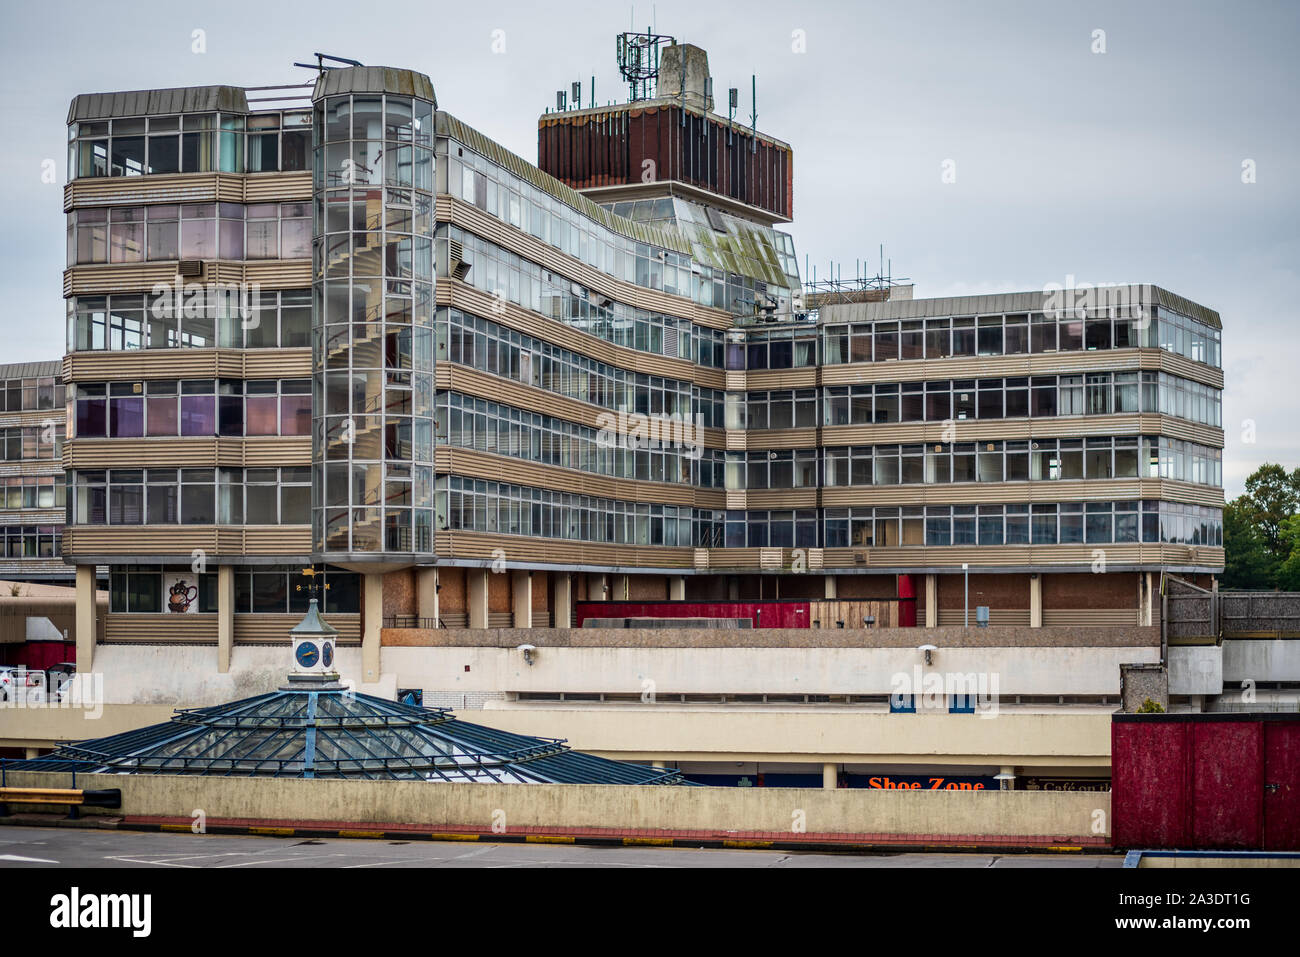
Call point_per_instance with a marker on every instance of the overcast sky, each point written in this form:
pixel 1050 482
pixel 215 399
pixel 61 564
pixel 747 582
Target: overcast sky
pixel 1115 166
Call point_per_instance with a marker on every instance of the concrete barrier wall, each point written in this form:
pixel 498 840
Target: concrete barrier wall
pixel 1011 814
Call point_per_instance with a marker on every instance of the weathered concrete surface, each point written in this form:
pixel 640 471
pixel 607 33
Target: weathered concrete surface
pixel 1005 636
pixel 1009 814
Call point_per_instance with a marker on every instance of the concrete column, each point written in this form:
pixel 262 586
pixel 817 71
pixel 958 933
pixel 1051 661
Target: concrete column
pixel 622 588
pixel 477 580
pixel 656 764
pixel 33 753
pixel 562 612
pixel 733 588
pixel 426 595
pixel 372 623
pixel 1147 607
pixel 676 587
pixel 830 776
pixel 86 618
pixel 1011 785
pixel 225 616
pixel 932 601
pixel 521 599
pixel 828 583
pixel 1036 601
pixel 598 588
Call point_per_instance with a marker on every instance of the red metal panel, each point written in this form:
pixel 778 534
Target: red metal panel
pixel 1282 786
pixel 1226 765
pixel 1149 784
pixel 764 614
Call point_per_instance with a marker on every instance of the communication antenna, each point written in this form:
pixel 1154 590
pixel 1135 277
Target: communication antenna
pixel 638 61
pixel 321 66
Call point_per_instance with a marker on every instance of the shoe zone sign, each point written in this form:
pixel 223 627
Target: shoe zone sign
pixel 922 782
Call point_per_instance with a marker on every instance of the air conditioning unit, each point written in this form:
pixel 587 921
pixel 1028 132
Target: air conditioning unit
pixel 189 267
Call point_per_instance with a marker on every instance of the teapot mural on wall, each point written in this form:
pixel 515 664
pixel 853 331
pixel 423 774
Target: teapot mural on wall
pixel 181 596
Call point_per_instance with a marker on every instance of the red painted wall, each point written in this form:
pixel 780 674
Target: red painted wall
pixel 1196 782
pixel 764 614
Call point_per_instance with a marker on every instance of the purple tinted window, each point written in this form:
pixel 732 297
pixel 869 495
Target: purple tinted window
pixel 198 415
pixel 295 415
pixel 92 418
pixel 163 419
pixel 128 418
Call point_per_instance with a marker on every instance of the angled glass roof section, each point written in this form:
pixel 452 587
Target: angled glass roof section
pixel 332 732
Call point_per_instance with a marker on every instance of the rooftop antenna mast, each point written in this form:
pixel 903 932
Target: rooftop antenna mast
pixel 320 66
pixel 638 61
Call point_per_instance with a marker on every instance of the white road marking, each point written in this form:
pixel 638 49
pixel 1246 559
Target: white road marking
pixel 26 860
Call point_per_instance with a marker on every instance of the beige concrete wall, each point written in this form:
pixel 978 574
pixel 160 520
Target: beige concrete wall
pixel 1066 738
pixel 1051 814
pixel 829 671
pixel 43 727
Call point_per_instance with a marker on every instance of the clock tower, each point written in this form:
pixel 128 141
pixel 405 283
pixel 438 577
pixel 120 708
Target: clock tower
pixel 314 644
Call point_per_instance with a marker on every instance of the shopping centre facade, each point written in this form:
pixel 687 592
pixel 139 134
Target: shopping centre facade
pixel 475 395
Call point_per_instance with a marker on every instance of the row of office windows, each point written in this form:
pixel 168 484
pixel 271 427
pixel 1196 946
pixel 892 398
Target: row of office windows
pixel 32 442
pixel 32 491
pixel 206 318
pixel 511 278
pixel 940 400
pixel 1065 523
pixel 224 496
pixel 475 179
pixel 147 589
pixel 31 541
pixel 500 508
pixel 1101 457
pixel 31 394
pixel 133 234
pixel 940 338
pixel 473 423
pixel 190 143
pixel 490 347
pixel 192 407
pixel 467 422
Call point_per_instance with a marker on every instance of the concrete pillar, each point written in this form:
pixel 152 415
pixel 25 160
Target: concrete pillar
pixel 372 623
pixel 477 580
pixel 521 598
pixel 598 588
pixel 33 753
pixel 426 597
pixel 86 618
pixel 622 588
pixel 1036 601
pixel 656 764
pixel 562 610
pixel 830 592
pixel 225 616
pixel 676 587
pixel 830 776
pixel 733 588
pixel 932 601
pixel 1010 785
pixel 1153 597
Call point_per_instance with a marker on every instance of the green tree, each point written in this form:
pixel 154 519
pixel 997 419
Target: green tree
pixel 1248 563
pixel 1288 572
pixel 1273 495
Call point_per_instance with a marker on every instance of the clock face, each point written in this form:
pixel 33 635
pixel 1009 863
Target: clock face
pixel 307 654
pixel 327 654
